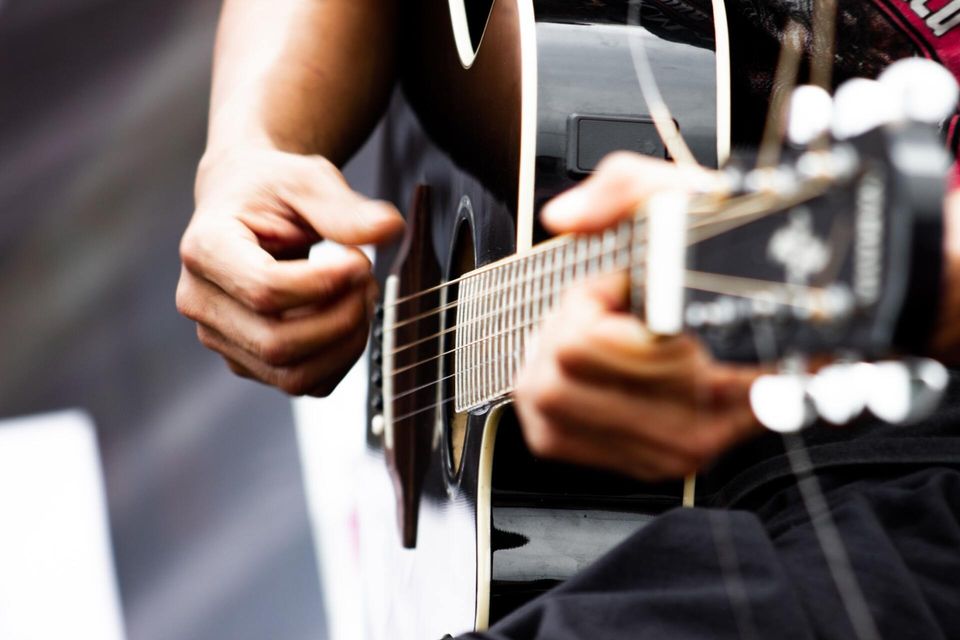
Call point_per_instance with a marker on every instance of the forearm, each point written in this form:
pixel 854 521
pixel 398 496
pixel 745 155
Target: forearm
pixel 306 76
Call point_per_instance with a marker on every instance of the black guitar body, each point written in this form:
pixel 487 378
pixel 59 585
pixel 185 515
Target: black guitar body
pixel 503 105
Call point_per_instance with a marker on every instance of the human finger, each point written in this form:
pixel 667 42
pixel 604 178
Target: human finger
pixel 222 250
pixel 317 191
pixel 579 439
pixel 276 340
pixel 317 376
pixel 621 183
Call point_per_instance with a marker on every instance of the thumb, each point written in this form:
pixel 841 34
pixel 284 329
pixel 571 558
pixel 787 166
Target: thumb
pixel 352 219
pixel 623 181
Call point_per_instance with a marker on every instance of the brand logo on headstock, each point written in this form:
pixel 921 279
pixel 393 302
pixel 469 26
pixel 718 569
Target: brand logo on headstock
pixel 868 250
pixel 797 249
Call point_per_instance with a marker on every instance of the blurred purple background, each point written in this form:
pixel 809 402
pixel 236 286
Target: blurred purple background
pixel 102 120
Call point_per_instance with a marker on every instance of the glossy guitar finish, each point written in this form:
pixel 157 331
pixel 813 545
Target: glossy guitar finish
pixel 479 139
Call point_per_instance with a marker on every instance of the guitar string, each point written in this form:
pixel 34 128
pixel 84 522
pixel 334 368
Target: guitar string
pixel 784 81
pixel 539 274
pixel 751 288
pixel 508 286
pixel 534 321
pixel 576 269
pixel 663 120
pixel 737 214
pixel 501 358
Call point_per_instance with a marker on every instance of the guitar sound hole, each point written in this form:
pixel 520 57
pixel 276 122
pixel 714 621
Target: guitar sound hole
pixel 455 424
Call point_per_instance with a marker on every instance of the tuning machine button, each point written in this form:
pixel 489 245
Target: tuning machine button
pixel 924 91
pixel 839 391
pixel 781 402
pixel 906 391
pixel 809 115
pixel 861 105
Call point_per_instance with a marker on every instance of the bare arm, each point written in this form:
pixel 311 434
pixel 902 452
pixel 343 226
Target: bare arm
pixel 304 76
pixel 298 84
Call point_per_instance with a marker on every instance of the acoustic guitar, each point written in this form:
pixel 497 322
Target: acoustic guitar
pixel 504 104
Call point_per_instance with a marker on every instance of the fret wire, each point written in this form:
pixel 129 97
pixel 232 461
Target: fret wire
pixel 596 246
pixel 559 255
pixel 545 299
pixel 743 210
pixel 511 315
pixel 501 340
pixel 460 357
pixel 468 340
pixel 524 293
pixel 537 286
pixel 497 382
pixel 487 348
pixel 477 334
pixel 478 349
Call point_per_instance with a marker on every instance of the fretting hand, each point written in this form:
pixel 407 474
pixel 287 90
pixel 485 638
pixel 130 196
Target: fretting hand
pixel 598 389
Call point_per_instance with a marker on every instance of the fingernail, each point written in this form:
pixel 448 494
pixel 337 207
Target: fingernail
pixel 567 207
pixel 378 213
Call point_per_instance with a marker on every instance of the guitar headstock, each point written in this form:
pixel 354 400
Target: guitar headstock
pixel 834 252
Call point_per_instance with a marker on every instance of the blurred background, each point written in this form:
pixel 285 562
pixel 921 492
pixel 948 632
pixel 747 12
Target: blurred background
pixel 102 119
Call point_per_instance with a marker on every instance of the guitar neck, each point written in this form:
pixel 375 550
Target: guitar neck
pixel 500 307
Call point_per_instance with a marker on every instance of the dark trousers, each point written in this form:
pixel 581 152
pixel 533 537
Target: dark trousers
pixel 760 574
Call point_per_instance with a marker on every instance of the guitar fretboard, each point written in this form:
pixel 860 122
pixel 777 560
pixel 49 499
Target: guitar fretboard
pixel 501 306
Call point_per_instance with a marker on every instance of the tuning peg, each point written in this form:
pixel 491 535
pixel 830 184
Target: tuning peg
pixel 809 115
pixel 781 402
pixel 839 391
pixel 861 105
pixel 924 90
pixel 903 392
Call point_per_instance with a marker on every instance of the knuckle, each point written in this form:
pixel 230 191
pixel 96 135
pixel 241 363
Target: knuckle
pixel 189 249
pixel 272 350
pixel 262 297
pixel 184 300
pixel 206 338
pixel 572 355
pixel 237 369
pixel 294 382
pixel 549 399
pixel 324 166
